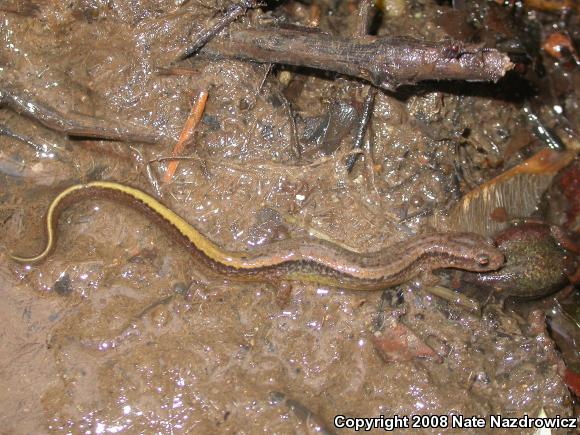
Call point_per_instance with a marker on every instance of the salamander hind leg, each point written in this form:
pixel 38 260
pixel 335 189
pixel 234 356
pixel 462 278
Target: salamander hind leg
pixel 283 292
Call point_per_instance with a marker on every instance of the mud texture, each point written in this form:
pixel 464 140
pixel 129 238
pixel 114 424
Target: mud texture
pixel 118 331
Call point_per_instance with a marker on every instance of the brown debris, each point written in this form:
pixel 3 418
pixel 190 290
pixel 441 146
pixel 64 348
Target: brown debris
pixel 570 184
pixel 25 8
pixel 558 45
pixel 516 191
pixel 233 13
pixel 572 380
pixel 398 343
pixel 386 62
pixel 187 132
pixel 552 5
pixel 73 124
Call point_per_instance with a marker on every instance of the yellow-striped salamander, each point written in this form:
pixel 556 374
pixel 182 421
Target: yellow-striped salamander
pixel 307 260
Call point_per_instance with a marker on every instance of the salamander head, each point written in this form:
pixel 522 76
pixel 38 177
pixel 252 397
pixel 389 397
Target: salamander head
pixel 473 252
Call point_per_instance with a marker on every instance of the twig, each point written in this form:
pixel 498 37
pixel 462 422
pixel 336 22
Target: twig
pixel 259 168
pixel 231 14
pixel 72 124
pixel 177 71
pixel 24 8
pixel 313 422
pixel 361 128
pixel 364 13
pixel 188 129
pixel 43 149
pixel 294 141
pixel 545 134
pixel 265 77
pixel 364 17
pixel 455 297
pixel 386 62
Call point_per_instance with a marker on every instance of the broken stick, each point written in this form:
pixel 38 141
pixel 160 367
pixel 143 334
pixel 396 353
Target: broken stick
pixel 73 124
pixel 386 62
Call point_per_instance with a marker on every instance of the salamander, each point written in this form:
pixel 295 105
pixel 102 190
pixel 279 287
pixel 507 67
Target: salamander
pixel 295 259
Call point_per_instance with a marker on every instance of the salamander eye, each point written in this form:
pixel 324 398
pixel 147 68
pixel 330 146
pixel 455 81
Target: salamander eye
pixel 482 259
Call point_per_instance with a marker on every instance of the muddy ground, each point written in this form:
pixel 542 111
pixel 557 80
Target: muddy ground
pixel 118 331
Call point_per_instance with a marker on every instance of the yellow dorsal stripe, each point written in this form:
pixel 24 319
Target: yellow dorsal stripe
pixel 49 226
pixel 203 244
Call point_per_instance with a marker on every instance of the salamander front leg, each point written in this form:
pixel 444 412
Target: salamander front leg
pixel 429 279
